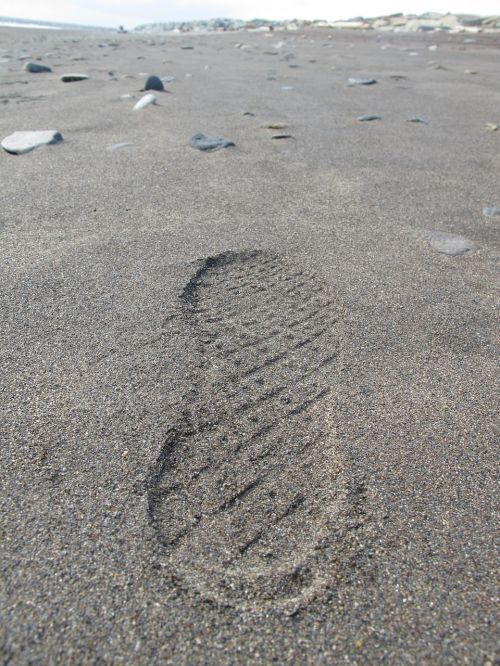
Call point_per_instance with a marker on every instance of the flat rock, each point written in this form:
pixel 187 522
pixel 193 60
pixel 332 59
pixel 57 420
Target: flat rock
pixel 452 244
pixel 364 119
pixel 69 78
pixel 417 119
pixel 354 81
pixel 491 211
pixel 22 142
pixel 119 146
pixel 153 82
pixel 203 142
pixel 145 101
pixel 36 68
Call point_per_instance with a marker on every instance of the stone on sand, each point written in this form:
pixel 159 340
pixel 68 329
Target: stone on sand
pixel 69 78
pixel 146 100
pixel 153 82
pixel 22 142
pixel 354 81
pixel 452 244
pixel 203 142
pixel 364 119
pixel 119 146
pixel 36 68
pixel 491 211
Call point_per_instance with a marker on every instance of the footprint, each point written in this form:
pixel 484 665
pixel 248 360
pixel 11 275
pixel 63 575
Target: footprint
pixel 250 498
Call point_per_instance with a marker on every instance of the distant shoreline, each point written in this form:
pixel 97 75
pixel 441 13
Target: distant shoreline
pixel 428 22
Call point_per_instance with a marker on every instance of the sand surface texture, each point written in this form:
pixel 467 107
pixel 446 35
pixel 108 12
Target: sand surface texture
pixel 249 394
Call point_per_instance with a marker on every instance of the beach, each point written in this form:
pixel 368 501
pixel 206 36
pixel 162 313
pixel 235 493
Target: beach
pixel 249 394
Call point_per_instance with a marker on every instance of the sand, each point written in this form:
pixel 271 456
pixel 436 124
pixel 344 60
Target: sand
pixel 248 410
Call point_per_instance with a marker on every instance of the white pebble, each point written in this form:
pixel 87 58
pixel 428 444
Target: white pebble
pixel 145 101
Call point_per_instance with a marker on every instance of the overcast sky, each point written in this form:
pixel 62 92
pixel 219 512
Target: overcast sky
pixel 134 12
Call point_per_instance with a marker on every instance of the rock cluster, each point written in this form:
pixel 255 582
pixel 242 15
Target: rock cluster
pixel 428 22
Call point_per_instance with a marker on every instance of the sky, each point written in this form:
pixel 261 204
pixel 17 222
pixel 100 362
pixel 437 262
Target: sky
pixel 135 12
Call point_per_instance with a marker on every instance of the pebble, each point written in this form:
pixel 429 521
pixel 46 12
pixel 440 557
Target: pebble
pixel 119 146
pixel 68 78
pixel 368 118
pixel 353 81
pixel 153 83
pixel 470 71
pixel 417 120
pixel 491 211
pixel 452 244
pixel 145 101
pixel 22 142
pixel 492 126
pixel 203 142
pixel 282 136
pixel 275 126
pixel 36 68
pixel 127 96
pixel 248 113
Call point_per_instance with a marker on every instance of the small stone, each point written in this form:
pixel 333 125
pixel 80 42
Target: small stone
pixel 203 142
pixel 153 83
pixel 145 101
pixel 275 126
pixel 491 211
pixel 452 244
pixel 22 142
pixel 248 113
pixel 119 146
pixel 353 81
pixel 417 119
pixel 282 136
pixel 470 71
pixel 437 66
pixel 127 96
pixel 36 68
pixel 368 118
pixel 187 48
pixel 493 127
pixel 69 78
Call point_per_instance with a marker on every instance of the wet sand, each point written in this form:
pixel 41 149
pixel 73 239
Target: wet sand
pixel 248 408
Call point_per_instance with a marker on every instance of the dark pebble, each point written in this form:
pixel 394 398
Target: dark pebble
pixel 203 142
pixel 153 82
pixel 368 118
pixel 36 68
